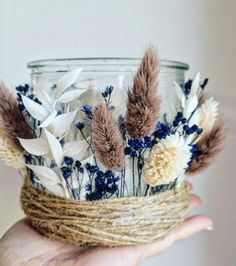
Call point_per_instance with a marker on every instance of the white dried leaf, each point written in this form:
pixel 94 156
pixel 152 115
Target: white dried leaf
pixel 191 104
pixel 70 95
pixel 58 190
pixel 66 81
pixel 55 147
pixel 61 124
pixel 42 95
pixel 194 120
pixel 75 149
pixel 46 175
pixel 180 94
pixel 36 110
pixel 37 146
pixel 49 119
pixel 195 86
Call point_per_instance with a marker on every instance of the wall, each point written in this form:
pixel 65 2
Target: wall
pixel 201 33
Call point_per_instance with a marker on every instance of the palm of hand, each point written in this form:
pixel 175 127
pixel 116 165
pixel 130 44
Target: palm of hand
pixel 22 245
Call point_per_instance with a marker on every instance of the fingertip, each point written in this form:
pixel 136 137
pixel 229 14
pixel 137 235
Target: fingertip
pixel 193 225
pixel 190 185
pixel 195 201
pixel 199 222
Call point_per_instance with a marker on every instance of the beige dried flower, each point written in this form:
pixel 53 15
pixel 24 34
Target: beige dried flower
pixel 208 117
pixel 10 155
pixel 167 161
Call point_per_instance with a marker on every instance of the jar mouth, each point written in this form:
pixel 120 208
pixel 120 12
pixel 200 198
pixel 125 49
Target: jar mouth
pixel 96 64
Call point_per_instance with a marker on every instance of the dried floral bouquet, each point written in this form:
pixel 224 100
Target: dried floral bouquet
pixel 99 177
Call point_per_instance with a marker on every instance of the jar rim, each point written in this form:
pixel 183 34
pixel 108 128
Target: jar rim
pixel 38 65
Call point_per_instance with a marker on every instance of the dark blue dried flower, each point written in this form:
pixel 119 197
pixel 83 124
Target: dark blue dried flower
pixel 68 160
pixel 199 130
pixel 133 154
pixel 121 122
pixel 128 150
pixel 28 158
pixel 204 83
pixel 136 143
pixel 21 107
pixel 162 131
pixel 19 97
pixel 105 185
pixel 187 87
pixel 108 91
pixel 66 172
pixel 178 119
pixel 193 129
pixel 195 153
pixel 37 100
pixel 87 109
pixel 91 168
pixel 148 142
pixel 23 89
pixel 81 170
pixel 80 125
pixel 77 164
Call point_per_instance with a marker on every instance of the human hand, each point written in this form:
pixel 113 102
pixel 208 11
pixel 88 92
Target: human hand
pixel 23 246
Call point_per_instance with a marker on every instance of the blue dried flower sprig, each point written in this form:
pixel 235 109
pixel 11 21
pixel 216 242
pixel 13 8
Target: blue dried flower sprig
pixel 87 109
pixel 108 91
pixel 188 84
pixel 102 185
pixel 25 90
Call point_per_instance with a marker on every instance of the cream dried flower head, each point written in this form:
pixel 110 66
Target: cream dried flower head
pixel 208 116
pixel 167 160
pixel 10 155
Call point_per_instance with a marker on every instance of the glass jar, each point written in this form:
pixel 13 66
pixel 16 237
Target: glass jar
pixel 97 73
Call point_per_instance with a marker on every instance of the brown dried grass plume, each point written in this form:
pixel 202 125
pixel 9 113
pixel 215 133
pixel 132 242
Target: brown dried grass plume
pixel 12 123
pixel 143 103
pixel 209 147
pixel 107 138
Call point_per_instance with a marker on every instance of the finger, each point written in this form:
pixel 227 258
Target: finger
pixel 190 185
pixel 195 201
pixel 192 225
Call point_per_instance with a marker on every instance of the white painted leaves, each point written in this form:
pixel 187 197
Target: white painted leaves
pixel 49 179
pixel 66 81
pixel 37 146
pixel 189 103
pixel 70 95
pixel 62 123
pixel 76 149
pixel 55 148
pixel 47 144
pixel 36 110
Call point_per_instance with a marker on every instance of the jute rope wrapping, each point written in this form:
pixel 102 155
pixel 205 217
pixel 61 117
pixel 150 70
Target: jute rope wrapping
pixel 111 222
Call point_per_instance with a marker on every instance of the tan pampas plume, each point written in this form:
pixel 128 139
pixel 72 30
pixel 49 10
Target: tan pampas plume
pixel 12 122
pixel 10 155
pixel 209 147
pixel 107 138
pixel 143 103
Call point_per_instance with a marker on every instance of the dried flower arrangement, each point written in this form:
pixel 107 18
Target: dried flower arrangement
pixel 97 179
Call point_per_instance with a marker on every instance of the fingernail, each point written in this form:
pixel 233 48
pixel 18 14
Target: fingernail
pixel 210 228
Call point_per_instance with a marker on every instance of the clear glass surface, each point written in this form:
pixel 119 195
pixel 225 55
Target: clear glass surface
pixel 97 73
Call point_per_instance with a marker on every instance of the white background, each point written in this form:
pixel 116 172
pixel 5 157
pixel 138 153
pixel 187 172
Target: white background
pixel 201 33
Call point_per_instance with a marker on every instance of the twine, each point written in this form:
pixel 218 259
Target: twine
pixel 110 222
